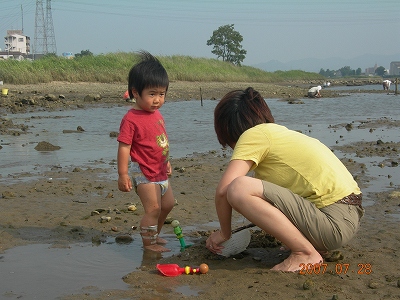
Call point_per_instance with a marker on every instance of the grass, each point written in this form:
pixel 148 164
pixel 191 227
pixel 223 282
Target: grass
pixel 114 67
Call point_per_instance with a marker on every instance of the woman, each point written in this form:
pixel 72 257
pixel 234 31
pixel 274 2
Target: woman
pixel 301 192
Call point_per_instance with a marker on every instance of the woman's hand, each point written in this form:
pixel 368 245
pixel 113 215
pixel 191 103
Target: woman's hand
pixel 214 242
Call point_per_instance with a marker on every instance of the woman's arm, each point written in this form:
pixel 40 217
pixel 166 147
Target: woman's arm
pixel 236 168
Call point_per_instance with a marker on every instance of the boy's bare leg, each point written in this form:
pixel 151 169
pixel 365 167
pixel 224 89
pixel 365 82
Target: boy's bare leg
pixel 150 195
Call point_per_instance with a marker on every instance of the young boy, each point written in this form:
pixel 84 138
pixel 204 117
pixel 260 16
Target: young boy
pixel 143 141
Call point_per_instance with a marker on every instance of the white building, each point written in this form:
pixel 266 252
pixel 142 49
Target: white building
pixel 16 44
pixel 394 68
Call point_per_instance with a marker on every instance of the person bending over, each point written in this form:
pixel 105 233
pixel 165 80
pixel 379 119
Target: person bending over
pixel 301 193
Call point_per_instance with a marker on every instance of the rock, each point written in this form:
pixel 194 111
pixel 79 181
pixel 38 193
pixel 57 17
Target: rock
pixel 51 97
pixel 45 146
pixel 92 97
pixel 308 284
pixel 123 239
pixel 7 195
pixel 132 207
pixel 334 256
pixel 105 219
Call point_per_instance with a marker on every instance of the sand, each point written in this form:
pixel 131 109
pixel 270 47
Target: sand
pixel 61 211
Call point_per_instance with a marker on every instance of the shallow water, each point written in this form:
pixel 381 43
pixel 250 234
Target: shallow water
pixel 39 271
pixel 189 125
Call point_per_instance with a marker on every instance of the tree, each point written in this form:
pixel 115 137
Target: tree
pixel 346 71
pixel 380 71
pixel 226 43
pixel 84 53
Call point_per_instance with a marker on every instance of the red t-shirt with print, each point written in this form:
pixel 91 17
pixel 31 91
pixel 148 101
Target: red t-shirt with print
pixel 145 132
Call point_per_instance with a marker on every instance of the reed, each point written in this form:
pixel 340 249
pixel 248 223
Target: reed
pixel 114 67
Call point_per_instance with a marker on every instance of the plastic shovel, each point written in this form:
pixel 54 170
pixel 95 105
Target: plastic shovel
pixel 172 270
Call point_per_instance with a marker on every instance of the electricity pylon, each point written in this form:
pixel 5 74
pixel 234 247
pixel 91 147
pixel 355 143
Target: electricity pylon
pixel 45 40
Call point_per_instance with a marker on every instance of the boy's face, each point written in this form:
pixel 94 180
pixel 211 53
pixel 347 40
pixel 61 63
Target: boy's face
pixel 152 98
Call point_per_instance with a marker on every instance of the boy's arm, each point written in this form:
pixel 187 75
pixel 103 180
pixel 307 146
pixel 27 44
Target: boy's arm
pixel 124 180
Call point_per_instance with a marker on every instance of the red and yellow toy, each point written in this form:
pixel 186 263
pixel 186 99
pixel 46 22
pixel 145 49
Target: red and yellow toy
pixel 174 270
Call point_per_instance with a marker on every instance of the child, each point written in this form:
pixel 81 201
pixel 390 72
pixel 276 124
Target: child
pixel 143 141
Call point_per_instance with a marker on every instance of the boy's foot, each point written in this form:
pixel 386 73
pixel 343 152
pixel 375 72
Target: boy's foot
pixel 161 241
pixel 156 248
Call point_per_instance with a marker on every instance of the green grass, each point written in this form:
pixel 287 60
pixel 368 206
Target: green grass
pixel 114 67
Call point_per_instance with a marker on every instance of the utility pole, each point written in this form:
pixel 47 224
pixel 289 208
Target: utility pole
pixel 45 41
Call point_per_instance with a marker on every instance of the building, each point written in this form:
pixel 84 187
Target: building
pixel 371 71
pixel 394 68
pixel 68 55
pixel 17 45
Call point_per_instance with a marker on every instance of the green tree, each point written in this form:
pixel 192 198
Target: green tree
pixel 380 71
pixel 358 71
pixel 84 53
pixel 347 71
pixel 226 43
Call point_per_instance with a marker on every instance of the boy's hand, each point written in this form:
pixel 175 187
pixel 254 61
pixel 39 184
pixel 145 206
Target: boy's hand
pixel 169 169
pixel 124 183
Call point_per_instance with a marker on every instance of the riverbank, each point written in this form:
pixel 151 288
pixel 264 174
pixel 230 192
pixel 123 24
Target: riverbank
pixel 65 95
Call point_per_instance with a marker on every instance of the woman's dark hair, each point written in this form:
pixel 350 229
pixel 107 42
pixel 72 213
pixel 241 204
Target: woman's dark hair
pixel 238 111
pixel 149 72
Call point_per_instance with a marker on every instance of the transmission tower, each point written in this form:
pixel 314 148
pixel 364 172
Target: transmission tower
pixel 45 40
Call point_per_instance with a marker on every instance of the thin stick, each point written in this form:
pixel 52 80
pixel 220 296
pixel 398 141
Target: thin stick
pixel 243 227
pixel 201 97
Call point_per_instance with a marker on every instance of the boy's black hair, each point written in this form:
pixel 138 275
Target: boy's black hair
pixel 149 72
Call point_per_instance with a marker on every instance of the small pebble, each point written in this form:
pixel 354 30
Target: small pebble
pixel 308 284
pixel 104 219
pixel 373 285
pixel 132 207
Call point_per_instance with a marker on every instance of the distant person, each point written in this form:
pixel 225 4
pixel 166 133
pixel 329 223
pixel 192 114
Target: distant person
pixel 301 193
pixel 143 141
pixel 327 84
pixel 314 92
pixel 126 96
pixel 386 85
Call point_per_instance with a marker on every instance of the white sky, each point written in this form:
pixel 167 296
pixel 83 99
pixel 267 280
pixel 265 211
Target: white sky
pixel 283 30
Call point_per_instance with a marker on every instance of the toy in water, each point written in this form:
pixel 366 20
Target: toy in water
pixel 178 232
pixel 172 270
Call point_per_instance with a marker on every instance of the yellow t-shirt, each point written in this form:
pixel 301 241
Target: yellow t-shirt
pixel 297 162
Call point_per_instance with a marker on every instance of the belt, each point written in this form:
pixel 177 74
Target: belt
pixel 351 199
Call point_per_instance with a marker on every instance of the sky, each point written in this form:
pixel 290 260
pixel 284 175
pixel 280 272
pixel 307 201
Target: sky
pixel 282 30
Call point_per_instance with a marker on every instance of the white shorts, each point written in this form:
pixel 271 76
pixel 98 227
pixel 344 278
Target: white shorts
pixel 138 178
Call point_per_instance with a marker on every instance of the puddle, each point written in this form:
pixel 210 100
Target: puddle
pixel 41 271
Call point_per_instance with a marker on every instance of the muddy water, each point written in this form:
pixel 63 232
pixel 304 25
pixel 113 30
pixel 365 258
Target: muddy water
pixel 43 272
pixel 190 128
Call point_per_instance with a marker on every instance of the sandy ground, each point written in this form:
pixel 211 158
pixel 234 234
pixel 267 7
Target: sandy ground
pixel 62 211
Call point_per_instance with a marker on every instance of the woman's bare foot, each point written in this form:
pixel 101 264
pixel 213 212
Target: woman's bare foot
pixel 156 248
pixel 296 260
pixel 161 241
